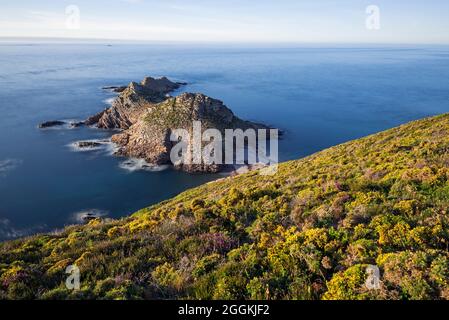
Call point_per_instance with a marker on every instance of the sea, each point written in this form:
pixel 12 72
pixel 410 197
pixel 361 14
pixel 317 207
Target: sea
pixel 319 95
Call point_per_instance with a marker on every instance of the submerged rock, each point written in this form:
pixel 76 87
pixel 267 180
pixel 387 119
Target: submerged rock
pixel 49 124
pixel 117 89
pixel 88 144
pixel 58 123
pixel 76 124
pixel 88 217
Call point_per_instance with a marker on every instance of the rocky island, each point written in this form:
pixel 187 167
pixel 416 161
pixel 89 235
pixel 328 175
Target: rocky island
pixel 147 115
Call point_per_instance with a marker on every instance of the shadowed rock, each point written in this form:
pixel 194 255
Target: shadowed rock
pixel 49 124
pixel 88 144
pixel 117 89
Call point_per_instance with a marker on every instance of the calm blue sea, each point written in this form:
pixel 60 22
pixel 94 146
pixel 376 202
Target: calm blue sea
pixel 320 96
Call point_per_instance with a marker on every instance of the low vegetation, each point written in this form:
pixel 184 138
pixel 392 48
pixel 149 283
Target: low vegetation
pixel 308 232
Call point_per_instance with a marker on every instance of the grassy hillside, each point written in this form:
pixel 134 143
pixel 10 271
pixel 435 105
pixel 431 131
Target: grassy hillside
pixel 306 233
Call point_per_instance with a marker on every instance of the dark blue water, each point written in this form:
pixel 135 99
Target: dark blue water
pixel 320 96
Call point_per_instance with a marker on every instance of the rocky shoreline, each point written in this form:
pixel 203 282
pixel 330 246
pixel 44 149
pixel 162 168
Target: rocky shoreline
pixel 146 114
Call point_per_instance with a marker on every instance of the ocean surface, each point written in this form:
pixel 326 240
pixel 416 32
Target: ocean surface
pixel 319 95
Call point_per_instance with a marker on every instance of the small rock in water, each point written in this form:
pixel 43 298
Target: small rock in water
pixel 88 217
pixel 115 88
pixel 76 124
pixel 88 144
pixel 49 124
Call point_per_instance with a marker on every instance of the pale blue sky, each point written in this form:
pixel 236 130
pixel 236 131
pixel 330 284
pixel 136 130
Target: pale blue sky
pixel 401 21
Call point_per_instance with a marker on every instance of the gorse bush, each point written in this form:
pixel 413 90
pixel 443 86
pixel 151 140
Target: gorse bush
pixel 308 232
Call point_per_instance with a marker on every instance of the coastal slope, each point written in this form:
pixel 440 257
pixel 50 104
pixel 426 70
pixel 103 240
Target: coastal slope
pixel 308 232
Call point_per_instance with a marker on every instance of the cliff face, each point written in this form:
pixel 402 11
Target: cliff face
pixel 147 116
pixel 308 232
pixel 132 101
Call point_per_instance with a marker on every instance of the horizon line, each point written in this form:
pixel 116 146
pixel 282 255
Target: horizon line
pixel 148 41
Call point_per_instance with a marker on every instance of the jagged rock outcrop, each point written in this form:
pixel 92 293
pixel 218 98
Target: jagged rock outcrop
pixel 149 136
pixel 132 101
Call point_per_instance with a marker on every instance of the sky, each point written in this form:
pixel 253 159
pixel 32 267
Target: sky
pixel 284 21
